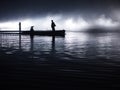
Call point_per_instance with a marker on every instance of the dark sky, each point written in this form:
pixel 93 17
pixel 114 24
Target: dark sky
pixel 11 9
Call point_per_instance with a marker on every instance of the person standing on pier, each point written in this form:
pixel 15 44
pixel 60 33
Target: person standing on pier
pixel 53 25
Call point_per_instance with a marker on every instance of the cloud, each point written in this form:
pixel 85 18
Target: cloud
pixel 63 22
pixel 105 22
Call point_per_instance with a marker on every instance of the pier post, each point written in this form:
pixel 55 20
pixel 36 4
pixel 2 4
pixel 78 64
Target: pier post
pixel 19 27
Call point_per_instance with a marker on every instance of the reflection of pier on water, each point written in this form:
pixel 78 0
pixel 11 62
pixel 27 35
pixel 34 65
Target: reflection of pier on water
pixel 32 43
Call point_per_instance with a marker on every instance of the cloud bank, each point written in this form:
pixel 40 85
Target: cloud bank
pixel 70 23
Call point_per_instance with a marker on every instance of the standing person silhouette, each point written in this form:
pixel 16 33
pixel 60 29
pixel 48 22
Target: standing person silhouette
pixel 53 25
pixel 31 29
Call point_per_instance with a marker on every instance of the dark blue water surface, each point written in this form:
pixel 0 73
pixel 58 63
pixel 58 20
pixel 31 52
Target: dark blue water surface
pixel 74 61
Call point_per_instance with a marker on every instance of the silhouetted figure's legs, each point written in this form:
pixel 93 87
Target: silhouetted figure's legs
pixel 53 28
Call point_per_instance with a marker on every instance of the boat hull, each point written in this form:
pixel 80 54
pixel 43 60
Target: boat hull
pixel 45 33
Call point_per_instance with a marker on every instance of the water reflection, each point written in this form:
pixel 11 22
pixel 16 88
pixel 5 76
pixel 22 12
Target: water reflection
pixel 83 57
pixel 20 41
pixel 53 44
pixel 32 43
pixel 73 46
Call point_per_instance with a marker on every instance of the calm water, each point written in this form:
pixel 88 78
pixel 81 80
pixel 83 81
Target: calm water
pixel 75 61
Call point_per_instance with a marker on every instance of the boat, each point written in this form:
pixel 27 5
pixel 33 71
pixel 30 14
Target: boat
pixel 45 33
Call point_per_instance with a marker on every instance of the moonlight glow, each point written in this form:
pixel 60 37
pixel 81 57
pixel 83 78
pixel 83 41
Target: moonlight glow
pixel 69 23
